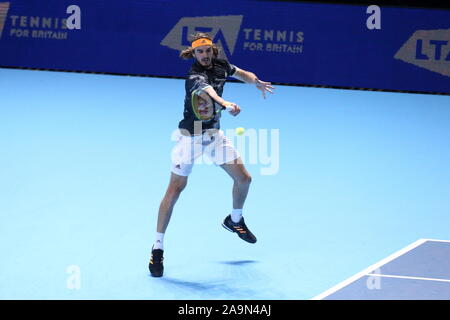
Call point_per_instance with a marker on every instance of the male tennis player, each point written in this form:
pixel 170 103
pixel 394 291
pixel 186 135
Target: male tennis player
pixel 208 73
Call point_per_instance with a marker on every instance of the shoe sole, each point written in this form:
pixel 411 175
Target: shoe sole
pixel 223 225
pixel 156 275
pixel 232 231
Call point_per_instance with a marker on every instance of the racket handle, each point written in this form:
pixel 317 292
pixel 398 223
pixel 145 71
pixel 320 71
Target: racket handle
pixel 228 108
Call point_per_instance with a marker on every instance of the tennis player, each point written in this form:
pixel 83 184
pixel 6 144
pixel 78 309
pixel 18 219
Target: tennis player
pixel 208 73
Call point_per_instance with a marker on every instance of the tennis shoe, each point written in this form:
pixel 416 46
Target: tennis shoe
pixel 155 265
pixel 240 228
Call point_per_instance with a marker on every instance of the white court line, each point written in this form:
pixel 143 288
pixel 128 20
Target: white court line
pixel 372 268
pixel 436 240
pixel 406 277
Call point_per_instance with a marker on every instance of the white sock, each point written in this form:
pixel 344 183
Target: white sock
pixel 159 242
pixel 236 215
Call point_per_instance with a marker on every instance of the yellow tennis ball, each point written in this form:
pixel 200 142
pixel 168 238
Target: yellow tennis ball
pixel 240 131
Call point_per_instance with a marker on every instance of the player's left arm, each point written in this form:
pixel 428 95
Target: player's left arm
pixel 251 78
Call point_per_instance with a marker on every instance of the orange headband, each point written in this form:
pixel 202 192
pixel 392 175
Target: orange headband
pixel 201 42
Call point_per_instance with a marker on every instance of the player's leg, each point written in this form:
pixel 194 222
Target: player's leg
pixel 181 168
pixel 241 181
pixel 241 184
pixel 227 157
pixel 183 159
pixel 177 184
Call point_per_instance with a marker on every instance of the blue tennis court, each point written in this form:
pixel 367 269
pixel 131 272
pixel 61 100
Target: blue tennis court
pixel 342 180
pixel 419 271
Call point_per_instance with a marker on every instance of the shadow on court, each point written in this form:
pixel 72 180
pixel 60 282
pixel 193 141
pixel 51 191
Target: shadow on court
pixel 238 262
pixel 226 285
pixel 218 288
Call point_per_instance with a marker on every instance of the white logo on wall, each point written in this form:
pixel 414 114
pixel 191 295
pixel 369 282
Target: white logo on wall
pixel 223 29
pixel 428 49
pixel 4 7
pixel 273 40
pixel 32 26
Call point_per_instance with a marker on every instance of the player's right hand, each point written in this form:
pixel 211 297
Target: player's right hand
pixel 236 109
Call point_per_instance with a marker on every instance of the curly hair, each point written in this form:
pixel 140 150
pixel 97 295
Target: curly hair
pixel 188 53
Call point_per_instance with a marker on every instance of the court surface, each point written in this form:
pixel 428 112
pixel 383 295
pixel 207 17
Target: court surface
pixel 342 180
pixel 418 272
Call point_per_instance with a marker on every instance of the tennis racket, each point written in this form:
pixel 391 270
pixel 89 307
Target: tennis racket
pixel 204 107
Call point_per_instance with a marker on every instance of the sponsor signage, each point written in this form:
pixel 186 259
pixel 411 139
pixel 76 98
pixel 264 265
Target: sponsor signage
pixel 352 46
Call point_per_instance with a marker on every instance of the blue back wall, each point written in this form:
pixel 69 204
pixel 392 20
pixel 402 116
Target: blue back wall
pixel 282 42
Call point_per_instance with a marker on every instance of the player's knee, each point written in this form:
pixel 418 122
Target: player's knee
pixel 177 186
pixel 245 179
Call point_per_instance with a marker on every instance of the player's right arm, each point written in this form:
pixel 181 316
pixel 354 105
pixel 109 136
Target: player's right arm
pixel 213 94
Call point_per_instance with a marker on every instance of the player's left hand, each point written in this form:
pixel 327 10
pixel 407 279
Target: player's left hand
pixel 264 86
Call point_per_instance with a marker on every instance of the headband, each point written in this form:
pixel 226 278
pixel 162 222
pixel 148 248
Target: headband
pixel 201 42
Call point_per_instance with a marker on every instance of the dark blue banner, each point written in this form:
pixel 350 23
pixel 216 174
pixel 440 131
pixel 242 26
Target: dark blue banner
pixel 284 42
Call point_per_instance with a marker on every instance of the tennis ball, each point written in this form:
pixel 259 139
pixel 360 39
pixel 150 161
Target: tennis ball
pixel 240 131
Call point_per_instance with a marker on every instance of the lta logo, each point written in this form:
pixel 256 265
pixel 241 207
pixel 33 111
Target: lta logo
pixel 429 49
pixel 4 7
pixel 223 29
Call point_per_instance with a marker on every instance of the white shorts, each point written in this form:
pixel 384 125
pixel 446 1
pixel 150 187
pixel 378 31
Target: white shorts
pixel 209 148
